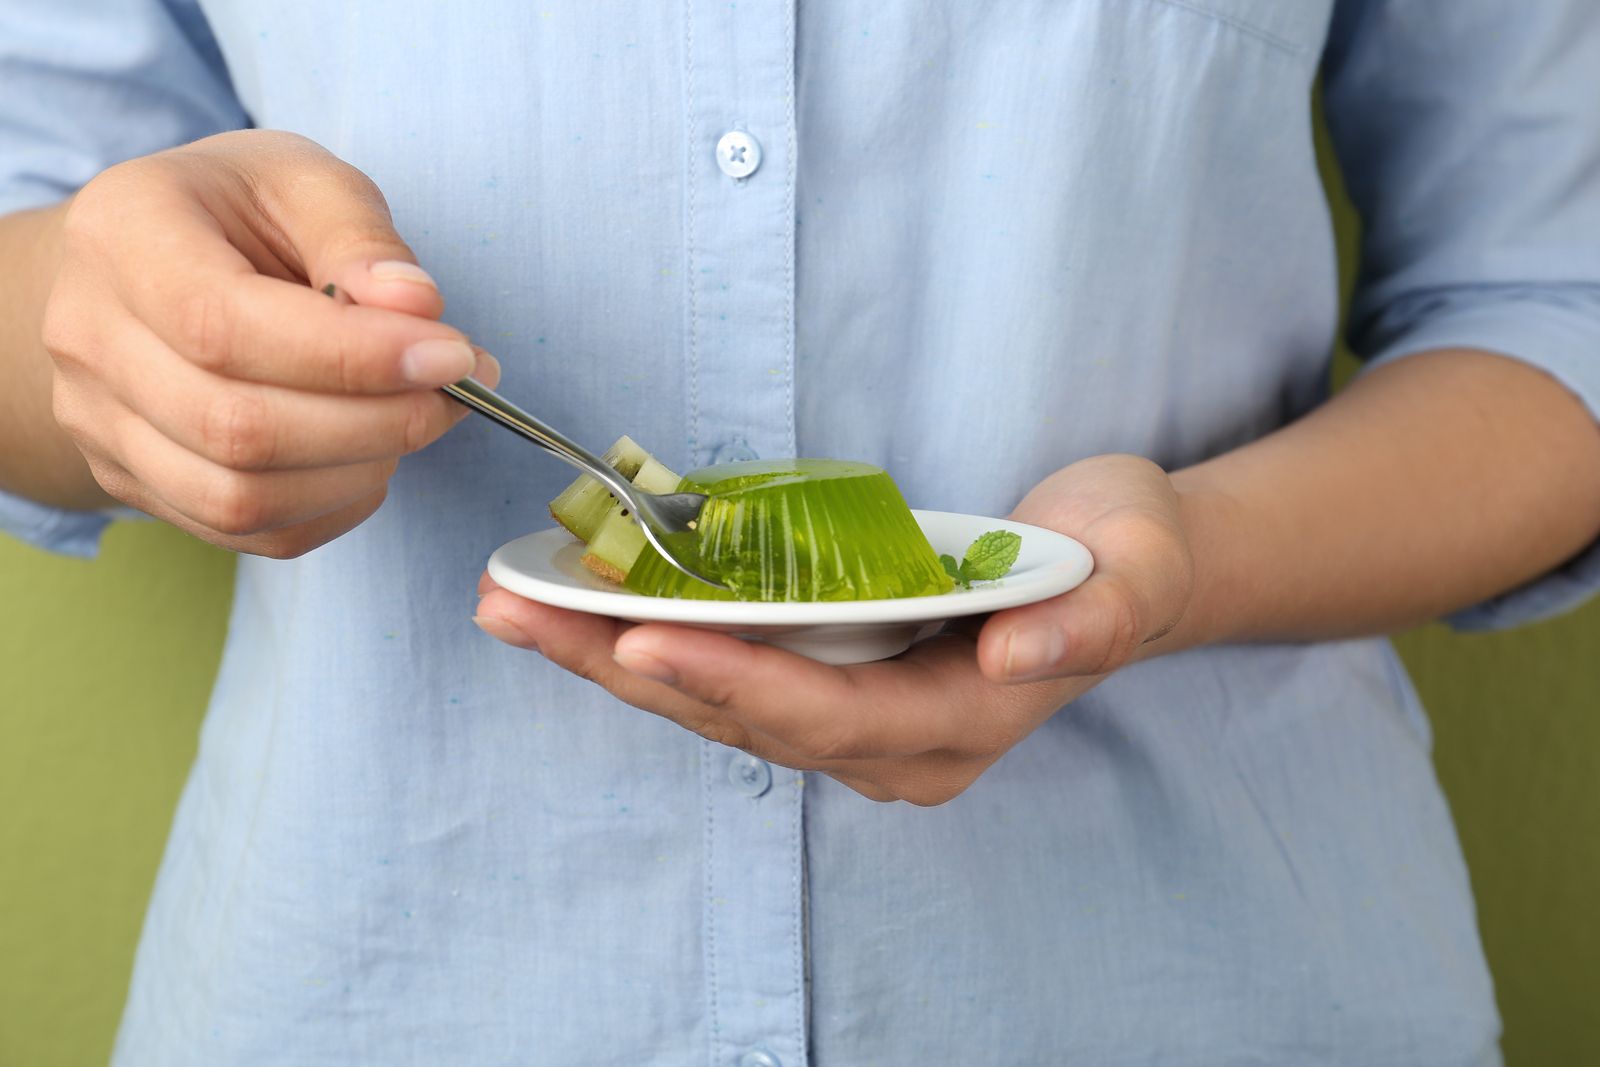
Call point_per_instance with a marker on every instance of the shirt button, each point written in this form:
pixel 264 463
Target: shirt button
pixel 752 777
pixel 733 452
pixel 759 1057
pixel 738 154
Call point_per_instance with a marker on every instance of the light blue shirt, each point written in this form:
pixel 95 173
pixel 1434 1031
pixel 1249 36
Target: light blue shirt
pixel 1059 228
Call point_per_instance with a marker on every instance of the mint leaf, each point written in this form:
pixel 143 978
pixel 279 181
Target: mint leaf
pixel 954 571
pixel 990 556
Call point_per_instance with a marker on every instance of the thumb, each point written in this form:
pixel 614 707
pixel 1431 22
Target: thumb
pixel 1090 630
pixel 338 224
pixel 383 277
pixel 1133 597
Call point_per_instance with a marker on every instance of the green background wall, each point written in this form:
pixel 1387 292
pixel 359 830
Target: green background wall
pixel 105 667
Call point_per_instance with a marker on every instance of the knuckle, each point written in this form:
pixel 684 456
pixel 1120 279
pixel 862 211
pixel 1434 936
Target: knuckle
pixel 1123 634
pixel 721 696
pixel 82 220
pixel 361 235
pixel 726 733
pixel 233 506
pixel 357 181
pixel 418 429
pixel 349 359
pixel 67 412
pixel 364 510
pixel 237 432
pixel 590 671
pixel 836 742
pixel 113 479
pixel 288 544
pixel 203 325
pixel 986 742
pixel 79 221
pixel 66 327
pixel 292 542
pixel 322 174
pixel 58 331
pixel 930 793
pixel 868 788
pixel 99 208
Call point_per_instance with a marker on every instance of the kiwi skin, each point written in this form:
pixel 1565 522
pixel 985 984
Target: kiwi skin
pixel 617 540
pixel 610 572
pixel 581 506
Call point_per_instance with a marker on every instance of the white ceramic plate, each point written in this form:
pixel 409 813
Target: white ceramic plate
pixel 544 566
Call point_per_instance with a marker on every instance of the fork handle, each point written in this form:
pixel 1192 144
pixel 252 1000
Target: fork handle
pixel 486 401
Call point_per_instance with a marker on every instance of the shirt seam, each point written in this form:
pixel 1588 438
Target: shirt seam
pixel 713 1035
pixel 796 824
pixel 797 886
pixel 789 251
pixel 1246 28
pixel 692 283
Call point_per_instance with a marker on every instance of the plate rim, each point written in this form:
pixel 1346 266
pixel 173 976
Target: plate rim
pixel 1052 579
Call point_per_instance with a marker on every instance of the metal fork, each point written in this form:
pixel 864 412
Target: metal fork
pixel 667 519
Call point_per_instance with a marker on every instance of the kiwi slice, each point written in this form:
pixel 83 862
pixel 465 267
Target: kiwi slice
pixel 617 540
pixel 582 505
pixel 800 530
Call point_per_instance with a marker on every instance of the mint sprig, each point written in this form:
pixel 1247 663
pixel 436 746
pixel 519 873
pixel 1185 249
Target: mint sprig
pixel 987 558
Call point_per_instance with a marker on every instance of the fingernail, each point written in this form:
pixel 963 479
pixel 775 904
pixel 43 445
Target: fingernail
pixel 1034 650
pixel 501 630
pixel 646 665
pixel 398 270
pixel 437 362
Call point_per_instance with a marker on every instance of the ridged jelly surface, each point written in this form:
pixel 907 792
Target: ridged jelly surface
pixel 800 530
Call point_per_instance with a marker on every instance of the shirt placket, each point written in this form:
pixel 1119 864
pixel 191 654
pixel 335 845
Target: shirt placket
pixel 739 371
pixel 739 230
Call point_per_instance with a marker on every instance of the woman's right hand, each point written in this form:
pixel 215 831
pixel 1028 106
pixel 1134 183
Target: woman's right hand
pixel 201 370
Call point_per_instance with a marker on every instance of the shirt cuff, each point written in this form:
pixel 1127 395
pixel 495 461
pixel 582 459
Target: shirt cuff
pixel 1555 329
pixel 70 533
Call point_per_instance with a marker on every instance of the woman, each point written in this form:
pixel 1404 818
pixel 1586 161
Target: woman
pixel 1028 259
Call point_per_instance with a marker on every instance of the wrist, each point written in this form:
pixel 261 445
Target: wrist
pixel 1211 522
pixel 37 458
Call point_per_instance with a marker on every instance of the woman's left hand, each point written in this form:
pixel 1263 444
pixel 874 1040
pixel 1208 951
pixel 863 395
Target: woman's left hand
pixel 924 725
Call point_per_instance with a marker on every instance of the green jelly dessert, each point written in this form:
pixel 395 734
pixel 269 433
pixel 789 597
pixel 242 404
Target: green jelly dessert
pixel 799 530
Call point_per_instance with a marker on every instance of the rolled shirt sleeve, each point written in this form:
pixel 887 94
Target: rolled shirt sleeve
pixel 1469 134
pixel 85 84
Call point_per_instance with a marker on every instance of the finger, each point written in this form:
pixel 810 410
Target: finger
pixel 487 370
pixel 867 788
pixel 254 328
pixel 398 284
pixel 1138 591
pixel 209 304
pixel 338 225
pixel 188 266
pixel 926 780
pixel 1089 631
pixel 299 211
pixel 929 698
pixel 287 543
pixel 248 426
pixel 232 502
pixel 583 643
